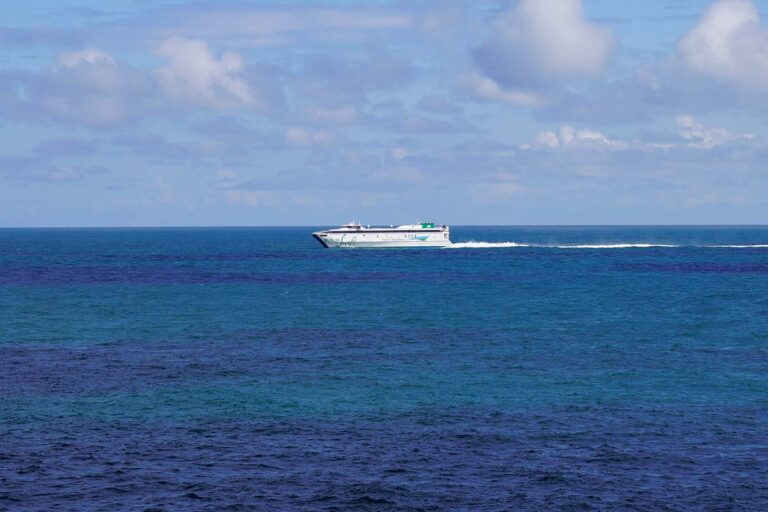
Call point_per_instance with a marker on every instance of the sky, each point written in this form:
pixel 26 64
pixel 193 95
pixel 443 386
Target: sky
pixel 235 113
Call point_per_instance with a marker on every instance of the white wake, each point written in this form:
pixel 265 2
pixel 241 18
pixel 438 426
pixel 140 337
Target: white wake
pixel 485 245
pixel 499 245
pixel 612 246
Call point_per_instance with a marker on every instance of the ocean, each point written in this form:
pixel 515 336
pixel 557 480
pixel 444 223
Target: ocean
pixel 525 368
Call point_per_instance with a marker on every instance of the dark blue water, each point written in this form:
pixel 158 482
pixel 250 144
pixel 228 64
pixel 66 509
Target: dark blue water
pixel 251 369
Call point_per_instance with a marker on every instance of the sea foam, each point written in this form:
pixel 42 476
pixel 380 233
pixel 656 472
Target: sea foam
pixel 501 245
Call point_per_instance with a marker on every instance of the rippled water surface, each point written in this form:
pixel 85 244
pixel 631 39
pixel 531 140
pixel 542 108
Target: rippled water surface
pixel 251 369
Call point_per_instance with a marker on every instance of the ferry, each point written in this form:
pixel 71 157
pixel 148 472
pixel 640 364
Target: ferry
pixel 425 234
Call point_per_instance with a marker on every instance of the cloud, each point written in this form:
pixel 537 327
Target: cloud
pixel 88 56
pixel 399 153
pixel 719 64
pixel 302 137
pixel 341 115
pixel 88 86
pixel 691 134
pixel 342 80
pixel 439 104
pixel 699 136
pixel 403 122
pixel 547 139
pixel 230 130
pixel 729 44
pixel 275 26
pixel 225 179
pixel 536 42
pixel 361 170
pixel 194 74
pixel 58 173
pixel 487 89
pixel 92 87
pixel 569 137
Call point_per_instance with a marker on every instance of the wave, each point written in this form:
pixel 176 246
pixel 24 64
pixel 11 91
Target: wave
pixel 611 246
pixel 498 245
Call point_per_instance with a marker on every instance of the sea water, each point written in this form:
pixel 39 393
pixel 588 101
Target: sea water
pixel 546 368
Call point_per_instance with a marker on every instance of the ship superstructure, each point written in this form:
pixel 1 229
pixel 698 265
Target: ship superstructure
pixel 424 234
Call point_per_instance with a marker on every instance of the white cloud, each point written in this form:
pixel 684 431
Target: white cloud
pixel 89 56
pixel 86 86
pixel 730 44
pixel 569 137
pixel 487 89
pixel 92 87
pixel 195 75
pixel 699 136
pixel 547 139
pixel 537 41
pixel 692 135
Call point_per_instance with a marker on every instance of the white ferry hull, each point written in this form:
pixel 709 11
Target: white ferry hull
pixel 384 237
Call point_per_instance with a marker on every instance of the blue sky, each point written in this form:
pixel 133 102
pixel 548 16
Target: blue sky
pixel 158 113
